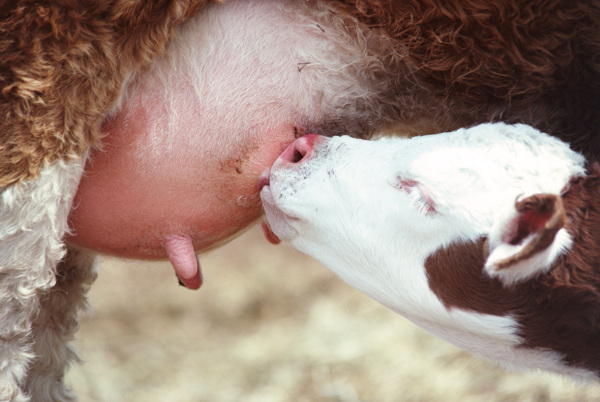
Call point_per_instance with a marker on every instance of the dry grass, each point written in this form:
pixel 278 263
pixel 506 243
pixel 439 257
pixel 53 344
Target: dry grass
pixel 272 325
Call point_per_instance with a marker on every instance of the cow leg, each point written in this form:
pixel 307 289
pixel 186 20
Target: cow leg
pixel 33 222
pixel 56 324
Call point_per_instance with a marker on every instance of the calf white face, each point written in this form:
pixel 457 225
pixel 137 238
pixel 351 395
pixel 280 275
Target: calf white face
pixel 374 211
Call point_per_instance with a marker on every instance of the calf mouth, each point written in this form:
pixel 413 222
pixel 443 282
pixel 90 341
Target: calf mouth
pixel 264 184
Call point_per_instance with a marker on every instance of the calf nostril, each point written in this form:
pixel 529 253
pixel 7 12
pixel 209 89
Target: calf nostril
pixel 300 149
pixel 297 155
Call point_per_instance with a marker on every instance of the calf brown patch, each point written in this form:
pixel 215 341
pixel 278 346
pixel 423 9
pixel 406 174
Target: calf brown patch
pixel 558 310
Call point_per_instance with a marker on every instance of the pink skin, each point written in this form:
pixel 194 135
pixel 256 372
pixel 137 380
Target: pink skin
pixel 154 194
pixel 296 152
pixel 179 168
pixel 182 255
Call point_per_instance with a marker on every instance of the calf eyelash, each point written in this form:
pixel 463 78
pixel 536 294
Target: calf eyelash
pixel 420 199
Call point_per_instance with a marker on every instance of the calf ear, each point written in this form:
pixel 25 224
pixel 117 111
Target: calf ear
pixel 527 242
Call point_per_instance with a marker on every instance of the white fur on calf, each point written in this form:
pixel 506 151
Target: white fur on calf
pixel 33 222
pixel 405 221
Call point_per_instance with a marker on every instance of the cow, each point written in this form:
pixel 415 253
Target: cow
pixel 110 87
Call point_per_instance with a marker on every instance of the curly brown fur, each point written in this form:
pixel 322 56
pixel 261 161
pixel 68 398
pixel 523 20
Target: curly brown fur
pixel 534 62
pixel 63 65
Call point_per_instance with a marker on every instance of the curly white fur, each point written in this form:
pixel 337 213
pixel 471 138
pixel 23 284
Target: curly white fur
pixel 33 222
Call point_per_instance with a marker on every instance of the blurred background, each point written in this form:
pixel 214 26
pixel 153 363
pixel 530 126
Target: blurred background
pixel 272 325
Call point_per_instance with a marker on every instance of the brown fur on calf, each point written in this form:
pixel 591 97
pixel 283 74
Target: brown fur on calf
pixel 62 67
pixel 558 310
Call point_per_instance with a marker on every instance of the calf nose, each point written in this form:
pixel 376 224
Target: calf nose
pixel 301 149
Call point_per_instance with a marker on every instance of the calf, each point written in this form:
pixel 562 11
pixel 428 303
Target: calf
pixel 484 236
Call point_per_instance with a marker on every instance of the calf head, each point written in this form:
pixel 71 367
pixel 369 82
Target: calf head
pixel 381 213
pixel 374 211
